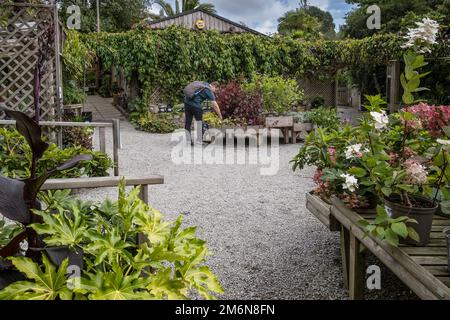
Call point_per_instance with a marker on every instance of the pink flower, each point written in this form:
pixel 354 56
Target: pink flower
pixel 332 153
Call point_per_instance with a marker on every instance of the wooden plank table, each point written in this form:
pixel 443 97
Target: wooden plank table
pixel 284 124
pixel 423 269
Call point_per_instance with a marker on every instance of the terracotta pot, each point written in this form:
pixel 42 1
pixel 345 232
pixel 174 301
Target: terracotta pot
pixel 424 217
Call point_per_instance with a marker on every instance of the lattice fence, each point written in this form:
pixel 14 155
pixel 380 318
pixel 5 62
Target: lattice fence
pixel 22 27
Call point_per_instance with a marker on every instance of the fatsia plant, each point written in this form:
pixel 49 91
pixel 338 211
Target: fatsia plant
pixel 167 262
pixel 18 198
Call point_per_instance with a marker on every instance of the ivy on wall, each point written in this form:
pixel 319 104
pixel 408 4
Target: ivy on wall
pixel 171 58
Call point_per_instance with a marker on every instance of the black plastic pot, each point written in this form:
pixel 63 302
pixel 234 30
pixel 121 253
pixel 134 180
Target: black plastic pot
pixel 8 277
pixel 58 254
pixel 424 217
pixel 447 237
pixel 87 116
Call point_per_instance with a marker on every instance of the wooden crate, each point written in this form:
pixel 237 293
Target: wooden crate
pixel 322 211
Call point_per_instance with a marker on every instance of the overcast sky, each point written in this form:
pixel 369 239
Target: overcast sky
pixel 262 15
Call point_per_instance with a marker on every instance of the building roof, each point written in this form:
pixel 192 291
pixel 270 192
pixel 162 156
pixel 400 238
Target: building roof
pixel 238 25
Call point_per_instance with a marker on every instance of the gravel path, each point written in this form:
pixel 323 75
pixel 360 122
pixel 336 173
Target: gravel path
pixel 266 244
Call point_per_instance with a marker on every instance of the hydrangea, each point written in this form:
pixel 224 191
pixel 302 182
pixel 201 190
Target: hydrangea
pixel 444 142
pixel 433 118
pixel 351 183
pixel 381 120
pixel 422 37
pixel 416 173
pixel 355 151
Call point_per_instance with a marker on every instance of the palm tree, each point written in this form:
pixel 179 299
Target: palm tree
pixel 186 5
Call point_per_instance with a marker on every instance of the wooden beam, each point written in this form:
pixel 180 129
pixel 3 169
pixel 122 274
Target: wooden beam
pixel 345 255
pixel 355 270
pixel 64 124
pixel 415 276
pixel 103 182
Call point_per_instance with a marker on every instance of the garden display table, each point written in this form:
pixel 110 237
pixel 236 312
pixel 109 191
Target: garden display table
pixel 423 269
pixel 284 124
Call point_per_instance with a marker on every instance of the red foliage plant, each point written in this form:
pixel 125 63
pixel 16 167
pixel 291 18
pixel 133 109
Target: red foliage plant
pixel 433 118
pixel 241 106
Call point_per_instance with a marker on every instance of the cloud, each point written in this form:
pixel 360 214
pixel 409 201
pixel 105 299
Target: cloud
pixel 263 15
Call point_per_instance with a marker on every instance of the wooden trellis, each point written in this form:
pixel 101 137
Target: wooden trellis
pixel 22 27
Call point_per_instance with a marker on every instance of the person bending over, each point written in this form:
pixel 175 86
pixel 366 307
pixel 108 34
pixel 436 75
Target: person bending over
pixel 194 95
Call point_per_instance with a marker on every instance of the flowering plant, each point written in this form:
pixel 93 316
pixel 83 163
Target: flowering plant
pixel 419 41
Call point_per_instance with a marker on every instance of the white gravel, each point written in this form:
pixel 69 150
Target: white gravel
pixel 266 245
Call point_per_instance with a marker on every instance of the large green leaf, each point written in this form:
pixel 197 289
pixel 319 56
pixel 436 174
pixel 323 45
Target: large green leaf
pixel 109 247
pixel 47 284
pixel 152 226
pixel 164 287
pixel 64 228
pixel 204 281
pixel 400 229
pixel 115 286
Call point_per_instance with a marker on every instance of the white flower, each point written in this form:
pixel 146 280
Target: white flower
pixel 443 142
pixel 381 120
pixel 422 37
pixel 351 183
pixel 355 151
pixel 416 173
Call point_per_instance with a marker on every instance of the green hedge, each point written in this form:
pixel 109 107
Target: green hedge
pixel 172 57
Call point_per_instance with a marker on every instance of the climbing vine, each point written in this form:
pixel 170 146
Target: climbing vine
pixel 170 58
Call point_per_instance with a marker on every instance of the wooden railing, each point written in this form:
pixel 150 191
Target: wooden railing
pixel 114 125
pixel 104 182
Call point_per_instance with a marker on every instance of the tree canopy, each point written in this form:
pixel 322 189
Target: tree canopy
pixel 396 16
pixel 307 22
pixel 168 10
pixel 114 15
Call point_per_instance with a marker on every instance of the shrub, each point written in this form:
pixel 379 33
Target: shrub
pixel 76 136
pixel 242 107
pixel 156 123
pixel 15 158
pixel 73 94
pixel 324 117
pixel 213 120
pixel 434 118
pixel 317 102
pixel 279 94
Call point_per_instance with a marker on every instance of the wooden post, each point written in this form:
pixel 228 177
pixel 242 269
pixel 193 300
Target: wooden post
pixel 345 246
pixel 102 135
pixel 286 135
pixel 356 288
pixel 143 195
pixel 116 145
pixel 294 136
pixel 394 85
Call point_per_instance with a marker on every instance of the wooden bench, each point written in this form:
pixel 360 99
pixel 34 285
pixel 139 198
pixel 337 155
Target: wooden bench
pixel 422 269
pixel 104 182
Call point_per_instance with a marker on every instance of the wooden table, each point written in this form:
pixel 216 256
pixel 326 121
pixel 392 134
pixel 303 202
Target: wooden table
pixel 423 269
pixel 284 124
